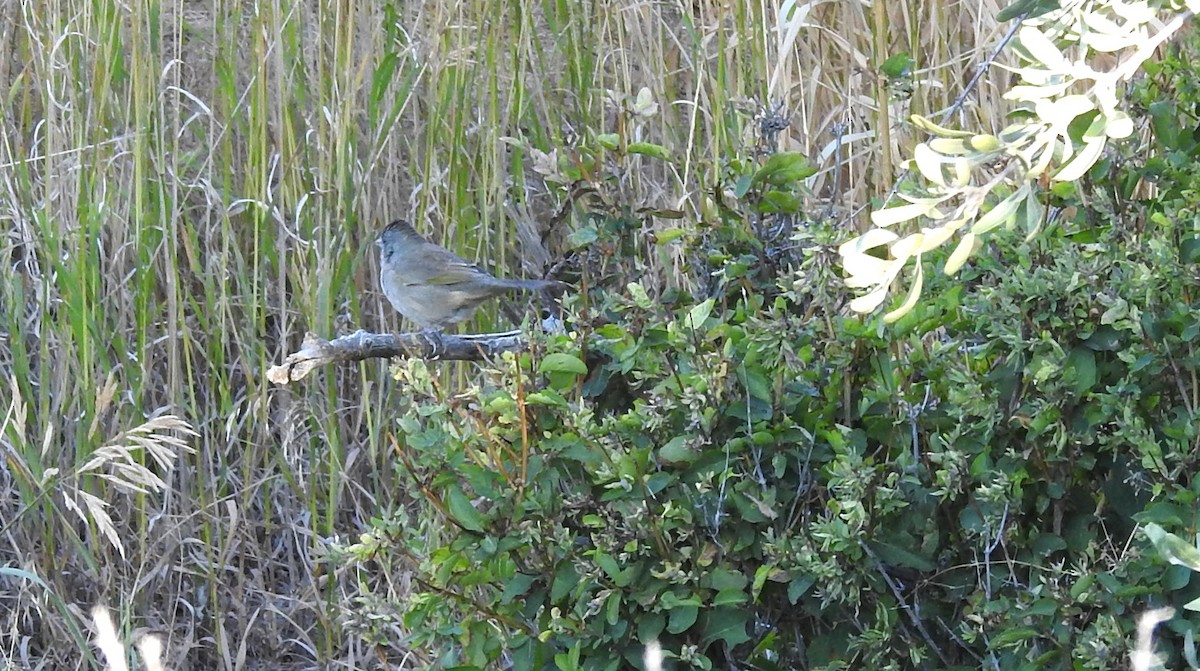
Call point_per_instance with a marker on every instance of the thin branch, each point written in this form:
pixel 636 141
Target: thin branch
pixel 912 610
pixel 362 345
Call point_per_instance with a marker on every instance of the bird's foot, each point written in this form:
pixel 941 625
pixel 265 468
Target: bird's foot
pixel 433 338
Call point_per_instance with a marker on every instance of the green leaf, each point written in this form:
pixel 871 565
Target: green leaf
pixel 1189 249
pixel 760 578
pixel 1045 544
pixel 668 235
pixel 525 653
pixel 562 371
pixel 568 661
pixel 897 66
pixel 547 397
pixel 785 167
pixel 1042 608
pixel 681 618
pixel 658 482
pixel 724 623
pixel 1032 215
pixel 898 556
pixel 21 573
pixel 742 186
pixel 1176 578
pixel 463 512
pixel 1085 581
pixel 613 608
pixel 608 565
pixel 798 587
pixel 609 141
pixel 638 293
pixel 779 202
pixel 582 237
pixel 1164 118
pixel 565 580
pixel 650 626
pixel 1104 339
pixel 1173 548
pixel 677 452
pixel 1013 636
pixel 699 314
pixel 380 80
pixel 671 600
pixel 561 362
pixel 723 579
pixel 648 149
pixel 1027 9
pixel 1082 362
pixel 516 586
pixel 730 597
pixel 661 213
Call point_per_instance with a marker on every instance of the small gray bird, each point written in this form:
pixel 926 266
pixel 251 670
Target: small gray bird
pixel 432 285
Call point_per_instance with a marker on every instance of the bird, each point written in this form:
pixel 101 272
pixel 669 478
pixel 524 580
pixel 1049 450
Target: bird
pixel 434 287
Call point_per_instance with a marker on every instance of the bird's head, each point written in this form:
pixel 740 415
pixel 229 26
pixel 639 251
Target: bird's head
pixel 398 230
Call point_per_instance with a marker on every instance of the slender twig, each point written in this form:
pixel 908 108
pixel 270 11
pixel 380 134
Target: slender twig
pixel 912 610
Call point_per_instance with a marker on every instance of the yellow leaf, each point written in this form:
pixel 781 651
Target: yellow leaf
pixel 1042 49
pixel 929 163
pixel 864 270
pixel 914 293
pixel 1030 92
pixel 869 302
pixel 1119 126
pixel 934 237
pixel 941 131
pixel 985 143
pixel 1001 212
pixel 961 253
pixel 952 146
pixel 962 172
pixel 895 215
pixel 1082 162
pixel 1061 112
pixel 869 240
pixel 907 247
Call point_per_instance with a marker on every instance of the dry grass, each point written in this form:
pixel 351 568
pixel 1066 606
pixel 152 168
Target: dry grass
pixel 187 187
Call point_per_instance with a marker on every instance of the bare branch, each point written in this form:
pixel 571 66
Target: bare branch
pixel 362 345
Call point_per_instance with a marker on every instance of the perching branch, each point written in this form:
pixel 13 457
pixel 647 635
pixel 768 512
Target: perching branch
pixel 362 345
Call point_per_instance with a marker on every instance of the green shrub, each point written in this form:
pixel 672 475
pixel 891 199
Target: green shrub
pixel 745 485
pixel 757 481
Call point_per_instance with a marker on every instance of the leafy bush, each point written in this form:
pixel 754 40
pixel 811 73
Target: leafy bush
pixel 756 480
pixel 744 485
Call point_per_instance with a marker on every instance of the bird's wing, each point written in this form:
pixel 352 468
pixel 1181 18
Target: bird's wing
pixel 458 273
pixel 431 264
